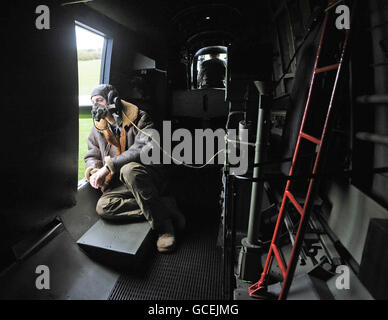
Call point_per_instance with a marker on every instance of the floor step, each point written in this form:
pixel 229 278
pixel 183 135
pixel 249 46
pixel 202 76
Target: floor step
pixel 120 245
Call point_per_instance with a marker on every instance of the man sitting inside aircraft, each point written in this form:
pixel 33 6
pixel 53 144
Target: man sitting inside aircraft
pixel 130 189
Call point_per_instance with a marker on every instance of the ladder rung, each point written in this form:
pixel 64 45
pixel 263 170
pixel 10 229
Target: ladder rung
pixel 327 68
pixel 279 259
pixel 294 202
pixel 310 138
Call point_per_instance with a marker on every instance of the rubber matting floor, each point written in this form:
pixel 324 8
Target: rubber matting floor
pixel 193 272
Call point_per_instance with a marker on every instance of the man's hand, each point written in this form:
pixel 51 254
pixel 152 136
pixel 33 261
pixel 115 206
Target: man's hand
pixel 97 179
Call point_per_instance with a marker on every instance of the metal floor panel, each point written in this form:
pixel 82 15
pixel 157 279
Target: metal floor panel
pixel 119 245
pixel 124 238
pixel 73 276
pixel 193 272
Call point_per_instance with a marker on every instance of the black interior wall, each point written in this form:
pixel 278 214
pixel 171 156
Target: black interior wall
pixel 40 104
pixel 126 44
pixel 379 37
pixel 369 73
pixel 144 22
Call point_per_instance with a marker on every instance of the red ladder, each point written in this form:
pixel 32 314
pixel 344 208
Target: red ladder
pixel 259 289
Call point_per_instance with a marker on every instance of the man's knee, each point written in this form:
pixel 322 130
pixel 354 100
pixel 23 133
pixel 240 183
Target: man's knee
pixel 130 173
pixel 105 207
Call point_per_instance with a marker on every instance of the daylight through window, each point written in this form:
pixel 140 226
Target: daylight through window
pixel 89 52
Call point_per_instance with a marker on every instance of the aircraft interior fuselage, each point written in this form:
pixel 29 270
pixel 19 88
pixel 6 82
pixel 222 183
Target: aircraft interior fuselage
pixel 270 123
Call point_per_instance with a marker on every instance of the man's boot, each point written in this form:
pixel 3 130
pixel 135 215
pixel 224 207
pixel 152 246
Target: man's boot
pixel 166 237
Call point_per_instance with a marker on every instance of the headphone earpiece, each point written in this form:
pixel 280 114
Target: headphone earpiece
pixel 113 98
pixel 112 94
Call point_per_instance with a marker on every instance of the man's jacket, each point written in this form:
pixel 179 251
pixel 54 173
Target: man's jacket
pixel 118 151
